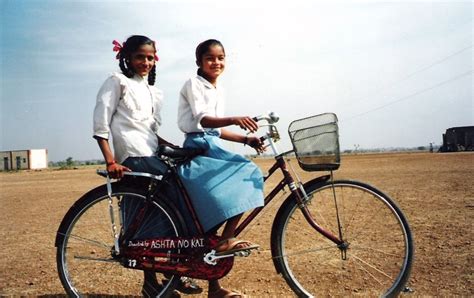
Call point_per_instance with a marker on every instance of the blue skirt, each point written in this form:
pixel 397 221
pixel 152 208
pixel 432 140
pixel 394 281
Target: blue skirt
pixel 221 184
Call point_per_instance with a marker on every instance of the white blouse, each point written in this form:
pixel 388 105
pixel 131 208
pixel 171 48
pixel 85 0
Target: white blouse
pixel 129 110
pixel 199 98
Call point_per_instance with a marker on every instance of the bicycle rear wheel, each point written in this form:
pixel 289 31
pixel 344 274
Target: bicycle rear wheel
pixel 379 253
pixel 86 261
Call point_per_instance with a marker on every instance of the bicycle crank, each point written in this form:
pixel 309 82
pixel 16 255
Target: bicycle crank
pixel 211 257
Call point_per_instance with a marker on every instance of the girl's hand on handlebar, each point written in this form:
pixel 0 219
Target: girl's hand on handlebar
pixel 116 170
pixel 256 144
pixel 246 123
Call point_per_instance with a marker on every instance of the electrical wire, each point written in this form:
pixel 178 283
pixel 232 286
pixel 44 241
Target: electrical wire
pixel 411 95
pixel 391 85
pixel 431 65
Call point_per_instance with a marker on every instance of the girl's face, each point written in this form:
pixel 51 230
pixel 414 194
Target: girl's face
pixel 143 60
pixel 212 63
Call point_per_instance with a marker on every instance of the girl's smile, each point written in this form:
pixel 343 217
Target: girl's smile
pixel 143 60
pixel 212 63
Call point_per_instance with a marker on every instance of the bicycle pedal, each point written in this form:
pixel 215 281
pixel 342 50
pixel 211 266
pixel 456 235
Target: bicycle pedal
pixel 242 253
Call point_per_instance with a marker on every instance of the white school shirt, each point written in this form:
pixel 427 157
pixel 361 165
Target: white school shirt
pixel 129 110
pixel 199 98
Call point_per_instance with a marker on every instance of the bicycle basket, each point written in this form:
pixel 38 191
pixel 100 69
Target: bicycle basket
pixel 316 142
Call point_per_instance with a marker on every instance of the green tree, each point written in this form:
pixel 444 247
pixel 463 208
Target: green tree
pixel 70 162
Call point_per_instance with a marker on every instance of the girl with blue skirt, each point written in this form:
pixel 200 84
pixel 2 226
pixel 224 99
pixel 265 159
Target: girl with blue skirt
pixel 222 185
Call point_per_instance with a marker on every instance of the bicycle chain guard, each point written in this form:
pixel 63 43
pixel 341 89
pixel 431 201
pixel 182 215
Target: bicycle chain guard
pixel 183 256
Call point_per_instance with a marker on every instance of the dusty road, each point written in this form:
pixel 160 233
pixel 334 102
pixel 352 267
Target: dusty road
pixel 436 192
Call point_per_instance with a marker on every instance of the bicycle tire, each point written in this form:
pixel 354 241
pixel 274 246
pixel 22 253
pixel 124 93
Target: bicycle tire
pixel 378 260
pixel 84 242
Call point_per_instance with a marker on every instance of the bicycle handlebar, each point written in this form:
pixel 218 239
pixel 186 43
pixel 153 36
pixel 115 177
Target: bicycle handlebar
pixel 271 118
pixel 272 135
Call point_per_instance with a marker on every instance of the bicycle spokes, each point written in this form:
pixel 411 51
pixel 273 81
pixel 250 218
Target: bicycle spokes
pixel 373 258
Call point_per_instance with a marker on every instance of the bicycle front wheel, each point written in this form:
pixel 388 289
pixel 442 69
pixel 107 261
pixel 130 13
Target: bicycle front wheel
pixel 377 254
pixel 86 260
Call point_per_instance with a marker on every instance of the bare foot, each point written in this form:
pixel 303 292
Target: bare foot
pixel 232 245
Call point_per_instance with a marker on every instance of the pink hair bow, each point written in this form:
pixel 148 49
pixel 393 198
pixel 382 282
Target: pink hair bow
pixel 117 48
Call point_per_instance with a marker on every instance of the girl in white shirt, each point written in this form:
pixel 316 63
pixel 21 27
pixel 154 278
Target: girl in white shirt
pixel 222 185
pixel 128 107
pixel 128 110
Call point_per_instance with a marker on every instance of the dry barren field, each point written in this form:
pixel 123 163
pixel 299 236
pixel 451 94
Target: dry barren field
pixel 435 191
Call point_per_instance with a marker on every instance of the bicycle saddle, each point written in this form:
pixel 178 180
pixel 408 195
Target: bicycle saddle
pixel 179 153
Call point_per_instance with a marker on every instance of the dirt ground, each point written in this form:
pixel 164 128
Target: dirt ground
pixel 435 191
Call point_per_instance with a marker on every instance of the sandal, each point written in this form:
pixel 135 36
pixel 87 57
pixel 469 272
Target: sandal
pixel 233 246
pixel 224 293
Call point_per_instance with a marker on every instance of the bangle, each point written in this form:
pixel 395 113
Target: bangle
pixel 111 163
pixel 246 140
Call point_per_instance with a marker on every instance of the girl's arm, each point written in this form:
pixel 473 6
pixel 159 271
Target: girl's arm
pixel 246 123
pixel 252 141
pixel 113 168
pixel 106 105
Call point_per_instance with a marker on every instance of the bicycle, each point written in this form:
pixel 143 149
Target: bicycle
pixel 331 237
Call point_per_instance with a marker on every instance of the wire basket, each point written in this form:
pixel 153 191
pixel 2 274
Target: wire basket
pixel 316 142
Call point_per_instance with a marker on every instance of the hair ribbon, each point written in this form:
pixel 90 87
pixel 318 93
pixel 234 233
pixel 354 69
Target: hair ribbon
pixel 117 48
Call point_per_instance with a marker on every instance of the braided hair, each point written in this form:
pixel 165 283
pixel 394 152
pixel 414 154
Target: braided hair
pixel 129 46
pixel 203 48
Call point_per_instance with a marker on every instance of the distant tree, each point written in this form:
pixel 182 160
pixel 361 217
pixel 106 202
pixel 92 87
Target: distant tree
pixel 356 148
pixel 70 162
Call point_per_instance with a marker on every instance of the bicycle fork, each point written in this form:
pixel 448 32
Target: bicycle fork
pixel 302 198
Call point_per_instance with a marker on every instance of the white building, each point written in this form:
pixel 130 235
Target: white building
pixel 23 159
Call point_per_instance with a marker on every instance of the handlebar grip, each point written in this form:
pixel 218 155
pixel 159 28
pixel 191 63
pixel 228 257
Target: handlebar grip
pixel 271 118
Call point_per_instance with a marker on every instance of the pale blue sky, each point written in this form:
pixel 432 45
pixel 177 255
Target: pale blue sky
pixel 395 73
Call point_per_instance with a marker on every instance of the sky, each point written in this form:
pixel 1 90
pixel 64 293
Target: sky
pixel 397 74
